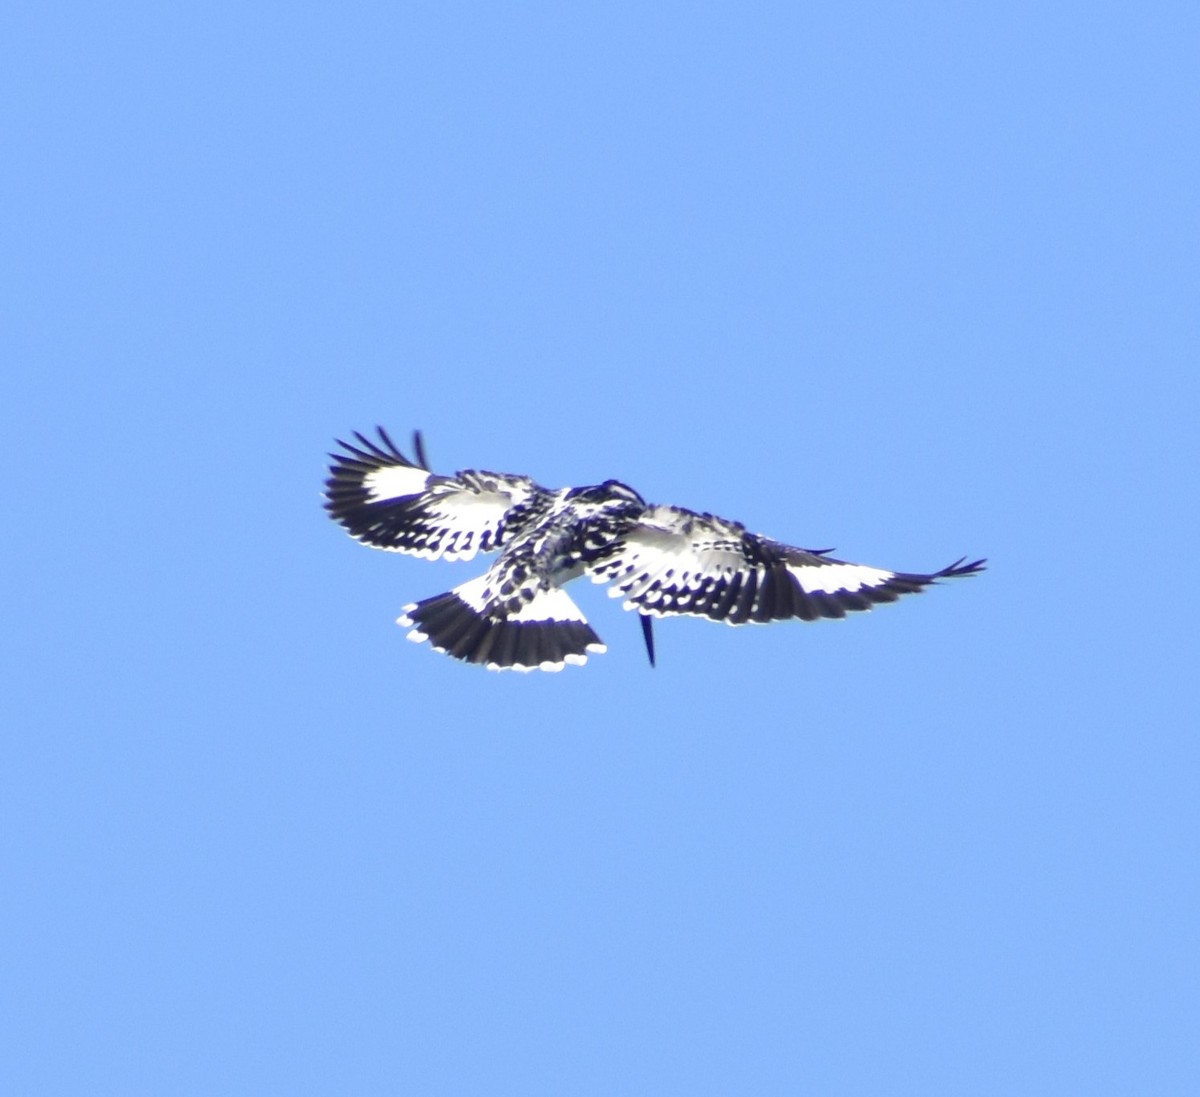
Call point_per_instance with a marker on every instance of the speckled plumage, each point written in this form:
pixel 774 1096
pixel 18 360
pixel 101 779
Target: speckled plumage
pixel 662 560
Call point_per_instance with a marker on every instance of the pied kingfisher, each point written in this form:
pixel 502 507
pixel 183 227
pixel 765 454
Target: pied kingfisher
pixel 662 560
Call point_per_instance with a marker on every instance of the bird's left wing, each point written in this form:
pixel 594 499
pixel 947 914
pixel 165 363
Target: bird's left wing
pixel 387 501
pixel 676 561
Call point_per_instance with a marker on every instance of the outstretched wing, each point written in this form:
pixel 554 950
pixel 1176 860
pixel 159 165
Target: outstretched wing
pixel 677 561
pixel 387 501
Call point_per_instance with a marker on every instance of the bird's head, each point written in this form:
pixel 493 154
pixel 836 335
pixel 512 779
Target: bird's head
pixel 611 491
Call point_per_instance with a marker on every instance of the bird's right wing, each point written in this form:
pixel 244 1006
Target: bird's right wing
pixel 387 501
pixel 675 561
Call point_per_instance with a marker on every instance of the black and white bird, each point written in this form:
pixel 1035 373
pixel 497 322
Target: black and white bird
pixel 661 560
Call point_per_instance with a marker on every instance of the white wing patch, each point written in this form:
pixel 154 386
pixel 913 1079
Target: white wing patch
pixel 831 578
pixel 394 482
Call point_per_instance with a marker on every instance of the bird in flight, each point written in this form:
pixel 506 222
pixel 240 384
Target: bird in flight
pixel 662 560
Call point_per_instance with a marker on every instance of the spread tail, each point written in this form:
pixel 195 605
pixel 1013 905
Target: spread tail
pixel 544 633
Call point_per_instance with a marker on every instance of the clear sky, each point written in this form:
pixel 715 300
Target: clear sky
pixel 913 280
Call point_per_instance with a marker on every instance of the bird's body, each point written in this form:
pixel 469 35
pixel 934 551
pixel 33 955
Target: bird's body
pixel 663 560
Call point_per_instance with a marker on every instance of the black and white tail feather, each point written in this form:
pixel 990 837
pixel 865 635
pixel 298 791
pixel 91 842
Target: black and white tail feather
pixel 661 560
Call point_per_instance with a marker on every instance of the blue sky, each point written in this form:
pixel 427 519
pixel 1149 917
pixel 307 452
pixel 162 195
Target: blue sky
pixel 914 281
